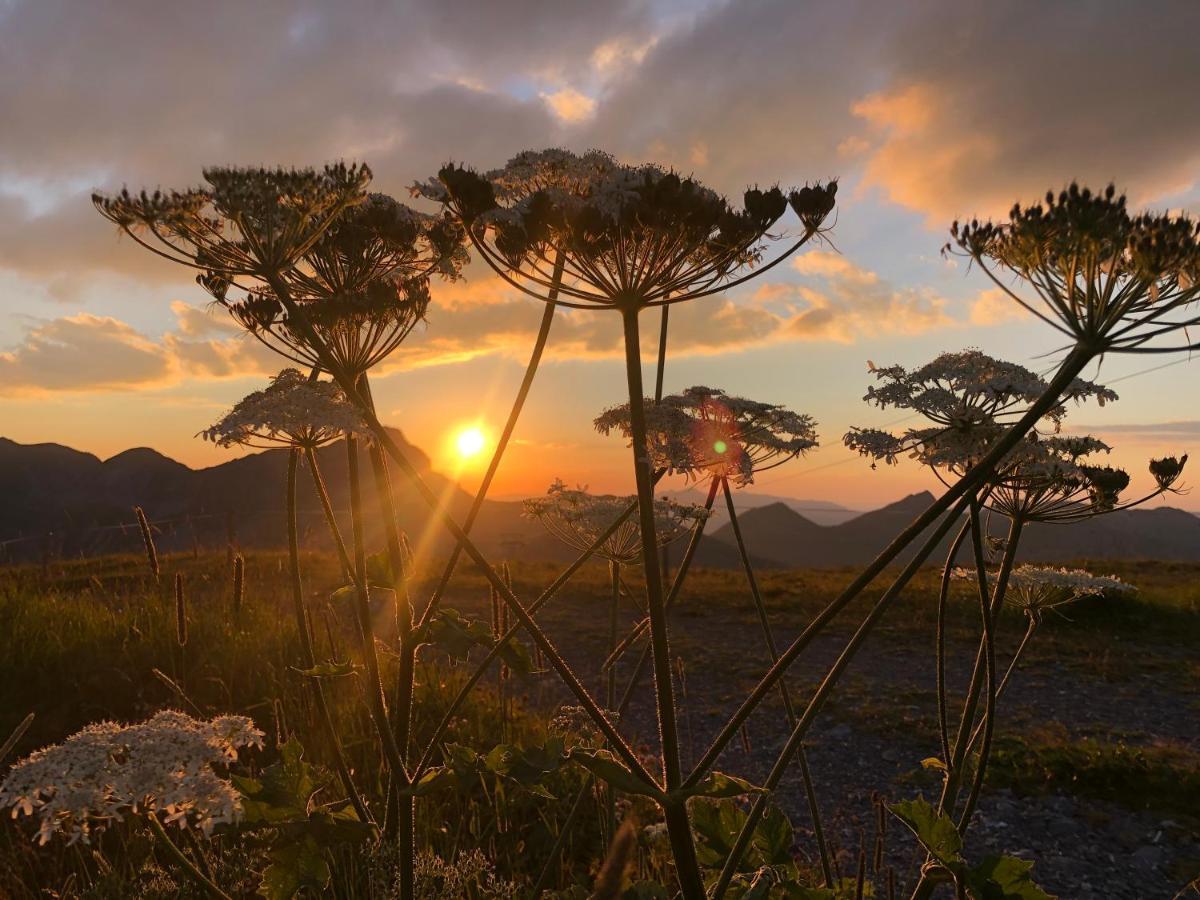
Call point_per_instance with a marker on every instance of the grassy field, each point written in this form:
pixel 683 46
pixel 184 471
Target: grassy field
pixel 97 639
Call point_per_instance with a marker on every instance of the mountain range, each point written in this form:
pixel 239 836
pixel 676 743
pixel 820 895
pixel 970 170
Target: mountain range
pixel 60 502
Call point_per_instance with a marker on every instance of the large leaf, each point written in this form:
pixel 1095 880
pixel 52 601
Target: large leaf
pixel 330 669
pixel 608 769
pixel 719 786
pixel 284 791
pixel 1005 878
pixel 936 831
pixel 294 866
pixel 528 766
pixel 456 636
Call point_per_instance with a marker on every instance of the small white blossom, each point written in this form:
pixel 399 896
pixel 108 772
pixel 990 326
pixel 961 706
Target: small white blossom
pixel 1036 589
pixel 292 411
pixel 166 765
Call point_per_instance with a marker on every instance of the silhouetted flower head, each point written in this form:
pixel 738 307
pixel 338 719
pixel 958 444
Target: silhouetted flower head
pixel 578 518
pixel 293 411
pixel 1036 589
pixel 1108 279
pixel 624 235
pixel 704 432
pixel 356 264
pixel 167 765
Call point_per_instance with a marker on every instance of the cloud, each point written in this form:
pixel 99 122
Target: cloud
pixel 83 352
pixel 1145 431
pixel 570 105
pixel 841 301
pixel 994 307
pixel 994 103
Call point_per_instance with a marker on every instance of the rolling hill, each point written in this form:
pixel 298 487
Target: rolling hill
pixel 61 502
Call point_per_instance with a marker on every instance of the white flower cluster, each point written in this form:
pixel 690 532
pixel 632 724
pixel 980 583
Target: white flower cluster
pixel 970 387
pixel 971 399
pixel 578 518
pixel 1036 589
pixel 705 432
pixel 292 412
pixel 165 765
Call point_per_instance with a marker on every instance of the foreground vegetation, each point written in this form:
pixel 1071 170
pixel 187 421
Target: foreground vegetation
pixel 98 639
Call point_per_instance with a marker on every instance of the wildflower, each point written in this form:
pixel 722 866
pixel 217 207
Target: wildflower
pixel 704 431
pixel 1107 279
pixel 272 243
pixel 166 765
pixel 625 236
pixel 578 518
pixel 293 411
pixel 1036 589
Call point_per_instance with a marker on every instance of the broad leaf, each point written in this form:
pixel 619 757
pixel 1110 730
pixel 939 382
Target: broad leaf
pixel 936 831
pixel 284 791
pixel 294 866
pixel 719 786
pixel 607 768
pixel 1005 878
pixel 330 669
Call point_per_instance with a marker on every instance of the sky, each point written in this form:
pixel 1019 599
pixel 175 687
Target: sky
pixel 925 112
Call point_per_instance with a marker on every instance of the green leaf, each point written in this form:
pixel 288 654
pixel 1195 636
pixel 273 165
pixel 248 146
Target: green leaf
pixel 607 768
pixel 294 866
pixel 284 791
pixel 932 762
pixel 329 826
pixel 455 635
pixel 936 831
pixel 718 786
pixel 329 669
pixel 379 570
pixel 1005 878
pixel 343 594
pixel 528 767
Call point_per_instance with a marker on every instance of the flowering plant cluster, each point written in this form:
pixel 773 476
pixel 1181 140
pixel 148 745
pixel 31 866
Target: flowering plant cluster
pixel 167 765
pixel 706 432
pixel 292 411
pixel 579 519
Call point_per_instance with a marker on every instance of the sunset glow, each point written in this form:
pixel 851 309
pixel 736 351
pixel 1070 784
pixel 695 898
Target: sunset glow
pixel 470 442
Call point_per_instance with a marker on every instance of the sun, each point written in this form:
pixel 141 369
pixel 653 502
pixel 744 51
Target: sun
pixel 470 442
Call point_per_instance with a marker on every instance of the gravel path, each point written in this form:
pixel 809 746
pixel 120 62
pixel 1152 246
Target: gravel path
pixel 872 736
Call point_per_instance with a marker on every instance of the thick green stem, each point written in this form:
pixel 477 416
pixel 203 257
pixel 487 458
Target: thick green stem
pixel 988 644
pixel 809 715
pixel 183 862
pixel 307 655
pixel 676 586
pixel 362 606
pixel 545 597
pixel 943 594
pixel 610 686
pixel 330 519
pixel 678 827
pixel 510 425
pixel 970 482
pixel 764 622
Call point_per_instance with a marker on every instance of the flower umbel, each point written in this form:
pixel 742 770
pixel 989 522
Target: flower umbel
pixel 624 235
pixel 1108 279
pixel 578 518
pixel 706 432
pixel 293 411
pixel 166 765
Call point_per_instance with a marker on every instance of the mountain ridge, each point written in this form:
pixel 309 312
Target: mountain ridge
pixel 59 502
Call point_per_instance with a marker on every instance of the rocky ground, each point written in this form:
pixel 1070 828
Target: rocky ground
pixel 871 738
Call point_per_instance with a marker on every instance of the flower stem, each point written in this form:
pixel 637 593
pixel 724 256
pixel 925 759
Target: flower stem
pixel 818 699
pixel 971 481
pixel 180 858
pixel 773 653
pixel 307 655
pixel 943 593
pixel 678 826
pixel 362 605
pixel 510 425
